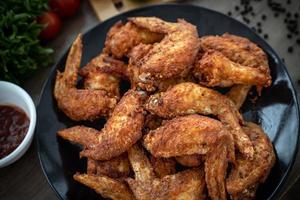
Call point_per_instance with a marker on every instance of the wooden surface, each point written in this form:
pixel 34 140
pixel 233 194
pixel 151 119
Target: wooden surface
pixel 105 9
pixel 25 180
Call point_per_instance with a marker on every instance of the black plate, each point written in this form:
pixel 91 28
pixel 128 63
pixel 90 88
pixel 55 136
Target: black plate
pixel 276 110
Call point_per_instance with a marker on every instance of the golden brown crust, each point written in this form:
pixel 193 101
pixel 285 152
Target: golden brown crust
pixel 163 166
pixel 214 69
pixel 157 62
pixel 79 104
pixel 189 98
pixel 102 72
pixel 189 184
pixel 238 94
pixel 117 167
pixel 87 137
pixel 250 172
pixel 121 130
pixel 122 38
pixel 216 163
pixel 140 163
pixel 190 160
pixel 187 135
pixel 236 48
pixel 105 186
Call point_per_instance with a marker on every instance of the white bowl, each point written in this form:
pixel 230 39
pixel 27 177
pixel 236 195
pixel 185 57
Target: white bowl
pixel 11 94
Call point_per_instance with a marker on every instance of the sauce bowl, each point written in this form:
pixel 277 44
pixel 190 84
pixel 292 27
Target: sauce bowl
pixel 11 94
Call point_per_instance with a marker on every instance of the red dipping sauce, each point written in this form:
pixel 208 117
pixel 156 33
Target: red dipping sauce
pixel 14 124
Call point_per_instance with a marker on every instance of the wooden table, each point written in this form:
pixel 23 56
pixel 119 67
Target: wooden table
pixel 25 180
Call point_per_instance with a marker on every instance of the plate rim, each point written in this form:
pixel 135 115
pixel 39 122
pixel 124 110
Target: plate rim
pixel 283 180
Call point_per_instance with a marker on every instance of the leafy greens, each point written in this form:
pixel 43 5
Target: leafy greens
pixel 21 53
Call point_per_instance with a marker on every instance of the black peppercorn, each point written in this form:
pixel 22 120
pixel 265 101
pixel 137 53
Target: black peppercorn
pixel 264 17
pixel 259 30
pixel 237 8
pixel 290 49
pixel 266 36
pixel 229 13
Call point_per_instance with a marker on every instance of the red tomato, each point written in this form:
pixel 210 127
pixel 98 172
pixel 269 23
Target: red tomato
pixel 65 8
pixel 52 24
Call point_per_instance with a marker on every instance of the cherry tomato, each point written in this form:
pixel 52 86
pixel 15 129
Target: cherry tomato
pixel 65 8
pixel 52 24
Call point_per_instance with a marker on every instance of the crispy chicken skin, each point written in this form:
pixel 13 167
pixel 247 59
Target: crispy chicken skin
pixel 95 77
pixel 236 48
pixel 117 167
pixel 88 138
pixel 215 69
pixel 248 173
pixel 195 134
pixel 189 98
pixel 216 163
pixel 85 136
pixel 122 38
pixel 190 160
pixel 189 184
pixel 80 104
pixel 173 138
pixel 121 130
pixel 238 94
pixel 157 61
pixel 105 186
pixel 163 166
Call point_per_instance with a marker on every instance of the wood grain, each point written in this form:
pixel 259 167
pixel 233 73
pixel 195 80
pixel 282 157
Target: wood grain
pixel 105 9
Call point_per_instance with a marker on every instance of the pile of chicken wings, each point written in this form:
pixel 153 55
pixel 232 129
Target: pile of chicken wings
pixel 172 135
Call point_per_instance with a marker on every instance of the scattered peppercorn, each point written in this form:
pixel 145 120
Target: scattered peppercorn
pixel 264 17
pixel 229 13
pixel 259 30
pixel 258 24
pixel 237 8
pixel 290 49
pixel 276 15
pixel 289 36
pixel 266 36
pixel 298 41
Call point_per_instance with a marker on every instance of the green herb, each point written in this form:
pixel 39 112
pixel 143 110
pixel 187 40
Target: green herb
pixel 21 53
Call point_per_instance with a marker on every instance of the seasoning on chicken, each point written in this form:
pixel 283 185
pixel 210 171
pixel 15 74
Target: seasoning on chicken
pixel 189 98
pixel 80 104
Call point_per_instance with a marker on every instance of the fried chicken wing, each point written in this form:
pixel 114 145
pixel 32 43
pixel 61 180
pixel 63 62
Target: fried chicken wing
pixel 117 167
pixel 248 173
pixel 88 138
pixel 96 78
pixel 85 136
pixel 121 130
pixel 122 38
pixel 214 69
pixel 238 94
pixel 163 166
pixel 173 138
pixel 189 184
pixel 157 61
pixel 236 48
pixel 216 163
pixel 105 186
pixel 190 160
pixel 140 164
pixel 189 98
pixel 80 104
